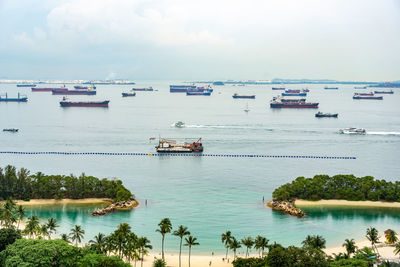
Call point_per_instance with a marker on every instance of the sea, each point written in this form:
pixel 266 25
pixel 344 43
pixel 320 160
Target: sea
pixel 209 195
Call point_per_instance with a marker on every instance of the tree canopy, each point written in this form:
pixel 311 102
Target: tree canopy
pixel 346 187
pixel 23 185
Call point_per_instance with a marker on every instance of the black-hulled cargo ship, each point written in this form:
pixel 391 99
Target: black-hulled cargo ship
pixel 326 115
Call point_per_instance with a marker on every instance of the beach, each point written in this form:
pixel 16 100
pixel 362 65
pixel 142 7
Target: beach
pixel 341 202
pixel 40 202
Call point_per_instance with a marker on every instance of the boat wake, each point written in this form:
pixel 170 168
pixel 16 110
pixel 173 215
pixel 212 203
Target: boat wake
pixel 228 127
pixel 384 133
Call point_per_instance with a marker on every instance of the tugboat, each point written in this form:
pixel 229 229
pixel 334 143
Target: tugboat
pixel 13 130
pixel 352 131
pixel 244 96
pixel 128 94
pixel 326 115
pixel 170 146
pixel 179 124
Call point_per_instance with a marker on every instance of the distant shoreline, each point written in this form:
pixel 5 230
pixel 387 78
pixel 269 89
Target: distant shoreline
pixel 341 202
pixel 40 202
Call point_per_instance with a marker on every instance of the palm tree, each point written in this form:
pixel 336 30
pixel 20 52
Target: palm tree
pixel 181 232
pixel 32 225
pixel 21 213
pixel 226 239
pixel 159 263
pixel 314 242
pixel 350 246
pixel 120 237
pixel 77 234
pixel 8 215
pixel 260 243
pixel 372 236
pixel 234 245
pixel 248 242
pixel 43 230
pixel 65 237
pixel 99 242
pixel 397 248
pixel 165 227
pixel 190 241
pixel 392 237
pixel 143 243
pixel 51 226
pixel 131 248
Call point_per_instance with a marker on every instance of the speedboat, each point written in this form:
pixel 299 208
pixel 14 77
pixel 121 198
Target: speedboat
pixel 180 124
pixel 352 131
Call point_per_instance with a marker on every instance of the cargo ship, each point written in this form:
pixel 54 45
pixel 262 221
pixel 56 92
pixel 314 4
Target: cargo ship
pixel 80 87
pixel 365 94
pixel 73 92
pixel 26 85
pixel 360 87
pixel 143 89
pixel 331 88
pixel 244 96
pixel 294 94
pixel 20 98
pixel 326 115
pixel 66 103
pixel 48 89
pixel 12 130
pixel 206 92
pixel 384 92
pixel 278 88
pixel 278 103
pixel 372 97
pixel 128 94
pixel 181 88
pixel 170 146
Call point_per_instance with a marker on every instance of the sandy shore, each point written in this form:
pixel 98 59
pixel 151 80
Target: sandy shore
pixel 340 202
pixel 385 251
pixel 40 202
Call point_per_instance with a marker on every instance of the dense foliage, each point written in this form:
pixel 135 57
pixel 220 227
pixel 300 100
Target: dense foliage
pixel 21 185
pixel 346 187
pixel 40 252
pixel 8 236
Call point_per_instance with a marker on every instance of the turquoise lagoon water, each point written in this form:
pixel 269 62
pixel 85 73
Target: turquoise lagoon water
pixel 209 195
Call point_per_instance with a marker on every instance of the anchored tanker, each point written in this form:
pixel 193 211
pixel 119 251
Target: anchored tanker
pixel 66 103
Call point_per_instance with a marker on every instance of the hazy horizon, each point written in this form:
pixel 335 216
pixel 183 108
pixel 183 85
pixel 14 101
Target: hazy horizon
pixel 356 40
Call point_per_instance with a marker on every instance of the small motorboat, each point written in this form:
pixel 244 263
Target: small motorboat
pixel 352 131
pixel 247 108
pixel 128 94
pixel 13 130
pixel 179 124
pixel 326 115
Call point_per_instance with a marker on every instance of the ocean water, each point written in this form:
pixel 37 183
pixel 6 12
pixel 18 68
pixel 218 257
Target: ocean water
pixel 209 195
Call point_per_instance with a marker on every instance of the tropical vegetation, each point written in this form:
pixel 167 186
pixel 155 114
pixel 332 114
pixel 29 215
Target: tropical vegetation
pixel 346 187
pixel 20 184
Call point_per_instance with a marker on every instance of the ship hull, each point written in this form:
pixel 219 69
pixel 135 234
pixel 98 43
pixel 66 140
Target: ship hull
pixel 26 85
pixel 72 92
pixel 368 97
pixel 294 105
pixel 24 99
pixel 294 94
pixel 244 96
pixel 84 104
pixel 383 92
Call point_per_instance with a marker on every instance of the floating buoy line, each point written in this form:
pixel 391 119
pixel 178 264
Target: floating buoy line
pixel 176 155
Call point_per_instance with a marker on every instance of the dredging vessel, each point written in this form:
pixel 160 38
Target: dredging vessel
pixel 171 146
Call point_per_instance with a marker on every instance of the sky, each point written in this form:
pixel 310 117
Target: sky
pixel 200 39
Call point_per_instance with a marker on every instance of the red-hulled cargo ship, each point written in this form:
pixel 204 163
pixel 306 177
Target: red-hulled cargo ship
pixel 66 103
pixel 73 92
pixel 48 89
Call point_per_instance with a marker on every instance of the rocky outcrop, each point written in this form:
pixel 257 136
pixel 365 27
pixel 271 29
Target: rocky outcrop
pixel 120 205
pixel 286 206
